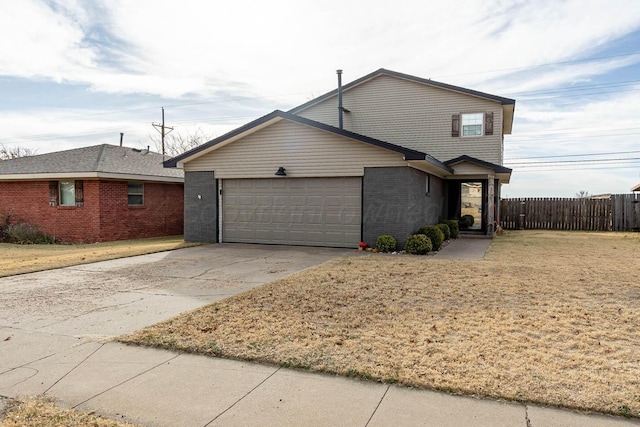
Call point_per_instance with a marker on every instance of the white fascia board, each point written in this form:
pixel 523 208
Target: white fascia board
pixel 86 175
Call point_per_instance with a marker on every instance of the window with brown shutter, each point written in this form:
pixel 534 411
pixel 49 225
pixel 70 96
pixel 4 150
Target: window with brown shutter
pixel 488 123
pixel 455 125
pixel 53 193
pixel 79 187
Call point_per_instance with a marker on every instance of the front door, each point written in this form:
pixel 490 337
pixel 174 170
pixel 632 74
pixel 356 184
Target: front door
pixel 468 199
pixel 471 204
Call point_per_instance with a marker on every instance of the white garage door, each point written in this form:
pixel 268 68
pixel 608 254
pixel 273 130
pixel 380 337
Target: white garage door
pixel 292 211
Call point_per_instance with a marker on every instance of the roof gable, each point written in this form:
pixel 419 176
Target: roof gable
pixel 508 104
pixel 278 115
pixel 96 161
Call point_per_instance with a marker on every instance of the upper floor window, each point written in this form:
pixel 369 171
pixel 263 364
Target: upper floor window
pixel 473 124
pixel 136 194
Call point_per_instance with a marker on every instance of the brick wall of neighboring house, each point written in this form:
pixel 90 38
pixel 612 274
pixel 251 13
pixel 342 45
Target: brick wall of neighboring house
pixel 161 215
pixel 105 214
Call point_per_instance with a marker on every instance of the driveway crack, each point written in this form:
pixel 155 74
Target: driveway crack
pixel 526 416
pixel 95 310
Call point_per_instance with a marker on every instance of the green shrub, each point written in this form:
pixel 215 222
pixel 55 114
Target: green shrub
pixel 27 233
pixel 445 230
pixel 454 229
pixel 434 234
pixel 386 243
pixel 418 244
pixel 466 221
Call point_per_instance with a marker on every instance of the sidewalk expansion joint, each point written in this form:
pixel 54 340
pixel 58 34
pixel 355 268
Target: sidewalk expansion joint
pixel 72 369
pixel 242 398
pixel 526 416
pixel 378 405
pixel 127 380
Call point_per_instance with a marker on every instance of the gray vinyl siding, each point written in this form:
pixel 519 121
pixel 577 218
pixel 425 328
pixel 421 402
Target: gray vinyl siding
pixel 303 151
pixel 413 115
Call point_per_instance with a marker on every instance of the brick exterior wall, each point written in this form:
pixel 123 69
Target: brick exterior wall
pixel 395 202
pixel 105 215
pixel 200 213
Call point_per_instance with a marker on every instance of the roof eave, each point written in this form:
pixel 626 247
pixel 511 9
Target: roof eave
pixel 46 176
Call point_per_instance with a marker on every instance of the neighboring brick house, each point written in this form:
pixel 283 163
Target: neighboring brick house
pixel 94 194
pixel 384 154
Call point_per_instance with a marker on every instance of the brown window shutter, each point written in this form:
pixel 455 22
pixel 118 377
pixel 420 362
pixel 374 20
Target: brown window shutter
pixel 488 123
pixel 79 188
pixel 53 193
pixel 455 125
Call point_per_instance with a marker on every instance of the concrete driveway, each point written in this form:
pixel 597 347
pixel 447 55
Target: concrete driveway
pixel 110 298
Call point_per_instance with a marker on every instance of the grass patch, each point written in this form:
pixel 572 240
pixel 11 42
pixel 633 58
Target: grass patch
pixel 19 259
pixel 546 317
pixel 40 411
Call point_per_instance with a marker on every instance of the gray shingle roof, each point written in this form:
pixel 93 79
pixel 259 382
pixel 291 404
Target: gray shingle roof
pixel 102 159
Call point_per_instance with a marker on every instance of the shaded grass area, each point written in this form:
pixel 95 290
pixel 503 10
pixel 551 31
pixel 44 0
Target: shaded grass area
pixel 19 259
pixel 42 412
pixel 546 317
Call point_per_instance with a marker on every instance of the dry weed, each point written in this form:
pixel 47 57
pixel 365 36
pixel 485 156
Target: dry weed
pixel 548 317
pixel 41 412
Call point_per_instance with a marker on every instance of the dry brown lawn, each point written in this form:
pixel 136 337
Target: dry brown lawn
pixel 18 259
pixel 42 412
pixel 546 317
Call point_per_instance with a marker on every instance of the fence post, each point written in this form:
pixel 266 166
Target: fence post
pixel 521 219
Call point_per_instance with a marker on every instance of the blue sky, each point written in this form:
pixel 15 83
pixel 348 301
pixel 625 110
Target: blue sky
pixel 76 73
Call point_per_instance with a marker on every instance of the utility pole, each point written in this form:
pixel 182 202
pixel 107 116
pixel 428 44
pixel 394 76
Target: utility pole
pixel 162 129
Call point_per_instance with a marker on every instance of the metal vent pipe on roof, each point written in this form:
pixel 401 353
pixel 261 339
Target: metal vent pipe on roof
pixel 340 124
pixel 121 136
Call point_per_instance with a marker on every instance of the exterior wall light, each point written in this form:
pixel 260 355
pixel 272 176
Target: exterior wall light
pixel 281 171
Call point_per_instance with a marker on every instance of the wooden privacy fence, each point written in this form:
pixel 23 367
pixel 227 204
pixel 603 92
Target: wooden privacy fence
pixel 618 212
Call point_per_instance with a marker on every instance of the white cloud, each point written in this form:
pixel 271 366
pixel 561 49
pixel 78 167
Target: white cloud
pixel 283 52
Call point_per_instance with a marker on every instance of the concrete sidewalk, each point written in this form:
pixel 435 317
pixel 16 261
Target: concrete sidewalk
pixel 465 248
pixel 160 388
pixel 55 328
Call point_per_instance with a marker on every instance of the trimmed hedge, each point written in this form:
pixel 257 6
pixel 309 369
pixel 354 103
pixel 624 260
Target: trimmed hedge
pixel 445 230
pixel 386 243
pixel 434 234
pixel 466 221
pixel 418 244
pixel 453 227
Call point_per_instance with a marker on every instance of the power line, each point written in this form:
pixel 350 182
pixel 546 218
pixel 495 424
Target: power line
pixel 574 155
pixel 571 162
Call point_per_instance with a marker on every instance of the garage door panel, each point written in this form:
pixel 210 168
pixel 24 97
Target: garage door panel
pixel 296 211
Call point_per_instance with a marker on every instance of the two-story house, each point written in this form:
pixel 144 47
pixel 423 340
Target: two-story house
pixel 384 154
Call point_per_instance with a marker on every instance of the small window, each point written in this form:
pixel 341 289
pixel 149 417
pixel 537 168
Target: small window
pixel 67 193
pixel 472 124
pixel 136 194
